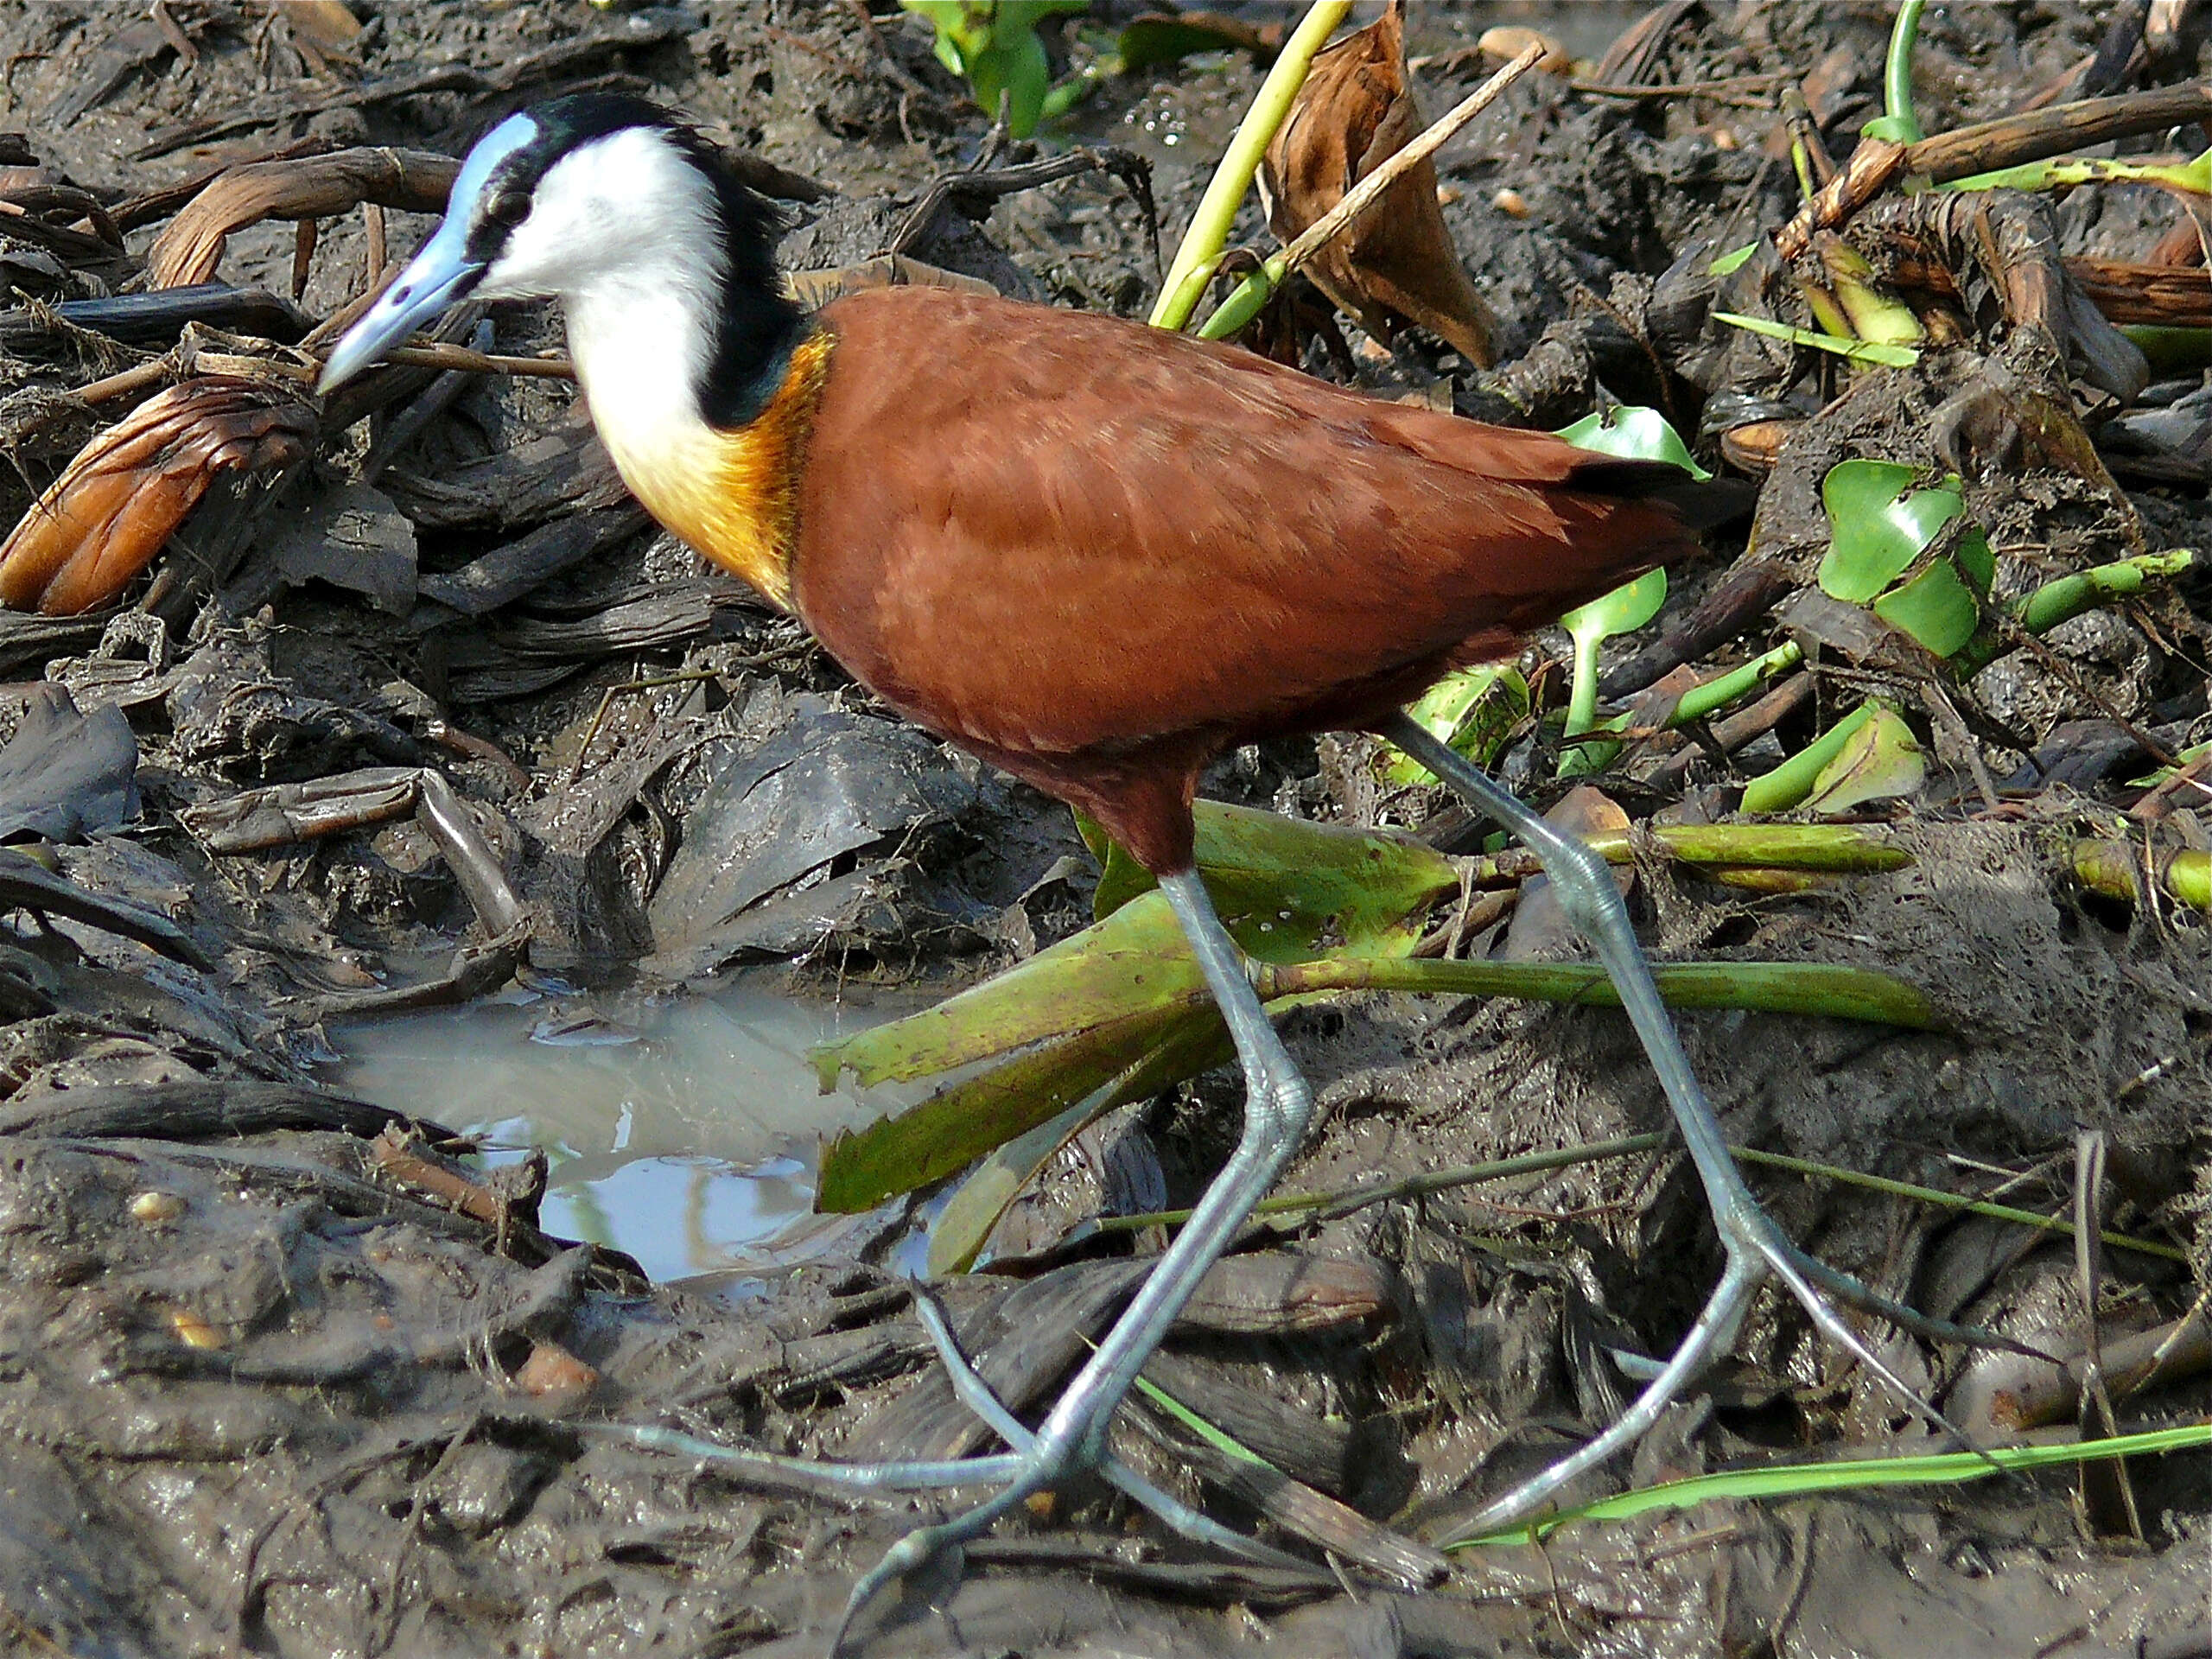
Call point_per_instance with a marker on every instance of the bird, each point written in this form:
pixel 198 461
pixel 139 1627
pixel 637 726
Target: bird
pixel 1096 555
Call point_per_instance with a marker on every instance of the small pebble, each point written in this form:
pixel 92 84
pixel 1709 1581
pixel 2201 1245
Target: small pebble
pixel 154 1208
pixel 1508 41
pixel 193 1330
pixel 1510 202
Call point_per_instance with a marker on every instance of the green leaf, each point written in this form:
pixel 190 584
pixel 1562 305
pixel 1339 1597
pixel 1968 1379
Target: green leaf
pixel 1625 610
pixel 970 1216
pixel 1860 351
pixel 1934 607
pixel 1122 1001
pixel 1975 561
pixel 1635 433
pixel 1878 529
pixel 1732 261
pixel 1475 710
pixel 1879 760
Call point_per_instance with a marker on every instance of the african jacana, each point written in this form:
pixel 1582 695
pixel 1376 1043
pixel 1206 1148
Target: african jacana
pixel 1097 556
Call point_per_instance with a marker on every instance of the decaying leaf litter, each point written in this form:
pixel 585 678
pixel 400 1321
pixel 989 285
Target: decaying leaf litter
pixel 407 702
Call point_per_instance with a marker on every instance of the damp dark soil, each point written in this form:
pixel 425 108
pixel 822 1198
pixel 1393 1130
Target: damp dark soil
pixel 430 715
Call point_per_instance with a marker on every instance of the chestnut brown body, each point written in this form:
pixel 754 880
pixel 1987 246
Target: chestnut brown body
pixel 1098 554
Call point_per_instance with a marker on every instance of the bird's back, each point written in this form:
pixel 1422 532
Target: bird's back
pixel 1068 540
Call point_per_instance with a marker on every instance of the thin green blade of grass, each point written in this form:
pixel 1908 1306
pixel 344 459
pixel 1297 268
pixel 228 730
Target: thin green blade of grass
pixel 1860 351
pixel 1814 1479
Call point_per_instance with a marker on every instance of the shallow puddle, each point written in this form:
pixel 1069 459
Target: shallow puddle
pixel 683 1129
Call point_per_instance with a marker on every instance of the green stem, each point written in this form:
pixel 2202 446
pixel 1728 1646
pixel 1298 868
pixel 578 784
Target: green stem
pixel 1244 302
pixel 1835 848
pixel 1195 260
pixel 1792 781
pixel 2113 867
pixel 1813 987
pixel 1701 700
pixel 1582 701
pixel 2071 596
pixel 1897 76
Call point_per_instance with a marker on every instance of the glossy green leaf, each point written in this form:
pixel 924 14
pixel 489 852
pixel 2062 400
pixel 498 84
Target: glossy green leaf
pixel 1625 610
pixel 1122 999
pixel 1878 529
pixel 1880 760
pixel 1634 433
pixel 1934 607
pixel 1974 559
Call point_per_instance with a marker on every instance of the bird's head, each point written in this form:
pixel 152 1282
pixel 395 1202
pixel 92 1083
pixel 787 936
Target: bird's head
pixel 573 197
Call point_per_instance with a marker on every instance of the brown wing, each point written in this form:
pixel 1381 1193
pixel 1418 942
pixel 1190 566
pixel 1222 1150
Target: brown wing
pixel 1050 533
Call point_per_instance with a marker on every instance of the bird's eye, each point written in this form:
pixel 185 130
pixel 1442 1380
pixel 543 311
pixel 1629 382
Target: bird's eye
pixel 507 208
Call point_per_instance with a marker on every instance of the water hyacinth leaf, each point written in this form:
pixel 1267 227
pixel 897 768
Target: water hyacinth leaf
pixel 1934 607
pixel 1348 884
pixel 1123 998
pixel 1475 710
pixel 1880 760
pixel 1975 561
pixel 1635 433
pixel 1625 610
pixel 994 44
pixel 1878 529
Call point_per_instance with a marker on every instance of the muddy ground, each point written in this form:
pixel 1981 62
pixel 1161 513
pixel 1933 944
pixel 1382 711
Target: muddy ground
pixel 276 1377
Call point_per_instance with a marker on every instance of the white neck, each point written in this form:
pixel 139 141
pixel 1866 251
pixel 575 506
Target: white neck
pixel 641 341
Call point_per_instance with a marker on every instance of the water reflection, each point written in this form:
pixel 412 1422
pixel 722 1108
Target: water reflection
pixel 682 1130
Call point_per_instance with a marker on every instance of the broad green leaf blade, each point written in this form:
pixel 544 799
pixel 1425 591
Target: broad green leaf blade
pixel 1124 991
pixel 1133 965
pixel 1878 531
pixel 1627 609
pixel 1634 433
pixel 1975 561
pixel 1934 607
pixel 1336 883
pixel 1878 761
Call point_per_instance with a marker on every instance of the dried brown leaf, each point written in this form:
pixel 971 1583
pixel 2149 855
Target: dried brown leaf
pixel 1397 265
pixel 102 521
pixel 304 186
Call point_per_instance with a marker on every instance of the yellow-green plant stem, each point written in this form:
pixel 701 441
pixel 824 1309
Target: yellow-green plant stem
pixel 2193 177
pixel 2171 349
pixel 1805 988
pixel 1813 1479
pixel 1194 262
pixel 1942 1200
pixel 2115 869
pixel 1827 848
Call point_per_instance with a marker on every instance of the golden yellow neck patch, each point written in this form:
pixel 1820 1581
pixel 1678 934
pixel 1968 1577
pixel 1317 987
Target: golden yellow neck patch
pixel 733 494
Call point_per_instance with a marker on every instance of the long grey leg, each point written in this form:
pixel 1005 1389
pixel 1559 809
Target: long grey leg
pixel 1278 1106
pixel 1756 1247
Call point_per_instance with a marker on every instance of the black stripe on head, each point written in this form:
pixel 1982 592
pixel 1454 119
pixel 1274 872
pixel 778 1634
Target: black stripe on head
pixel 756 326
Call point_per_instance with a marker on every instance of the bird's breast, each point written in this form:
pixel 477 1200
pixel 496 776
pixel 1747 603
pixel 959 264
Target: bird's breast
pixel 730 493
